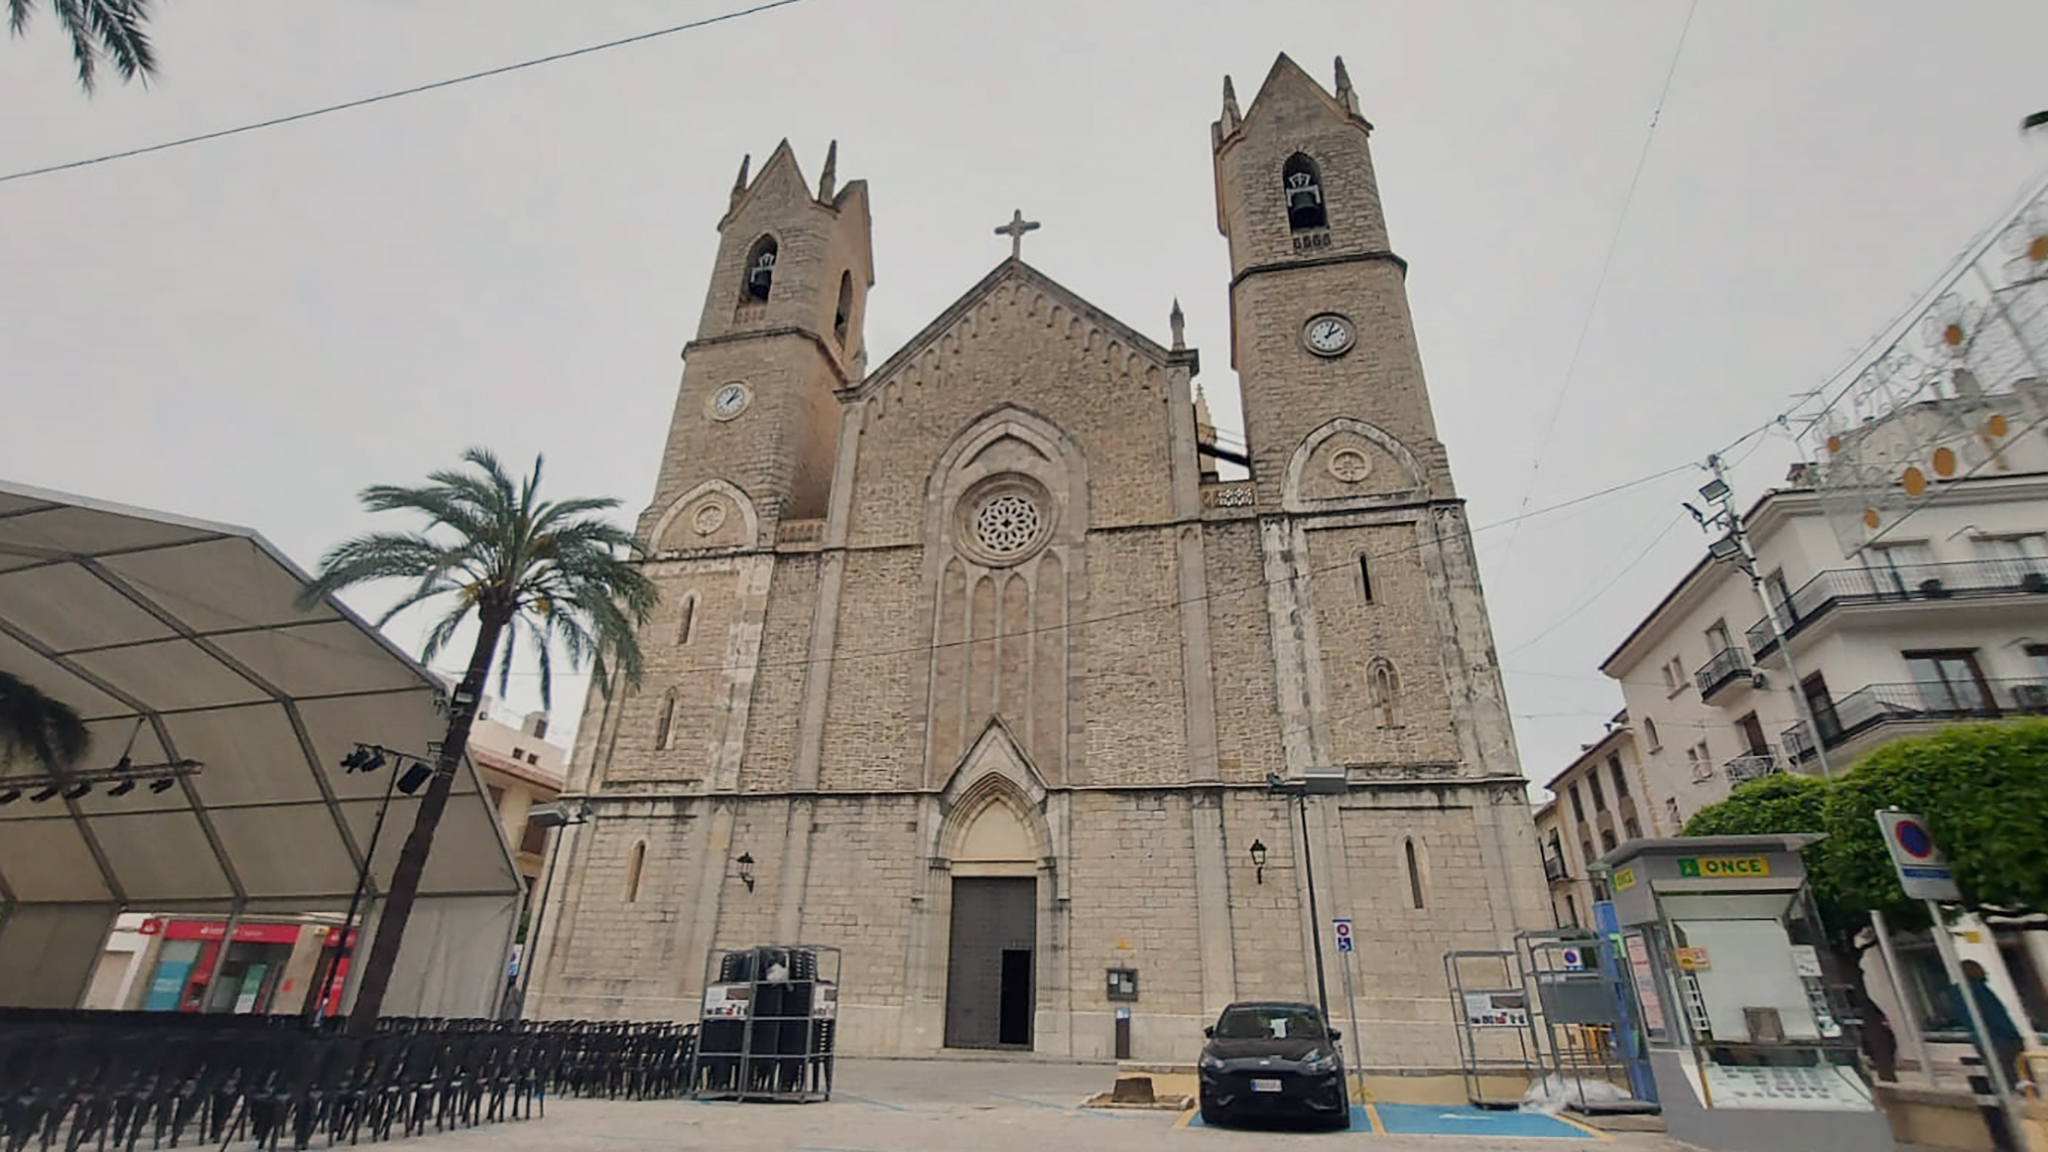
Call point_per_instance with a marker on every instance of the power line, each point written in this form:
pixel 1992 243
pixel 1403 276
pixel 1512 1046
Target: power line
pixel 414 91
pixel 1606 265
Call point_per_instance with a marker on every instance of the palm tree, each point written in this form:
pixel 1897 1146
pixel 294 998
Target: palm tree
pixel 549 570
pixel 47 730
pixel 98 28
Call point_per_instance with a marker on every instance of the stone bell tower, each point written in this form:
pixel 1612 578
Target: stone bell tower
pixel 1320 327
pixel 780 333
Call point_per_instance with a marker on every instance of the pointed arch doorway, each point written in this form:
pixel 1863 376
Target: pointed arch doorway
pixel 992 956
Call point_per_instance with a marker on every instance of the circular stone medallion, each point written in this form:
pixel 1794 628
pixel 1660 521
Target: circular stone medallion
pixel 709 518
pixel 1350 465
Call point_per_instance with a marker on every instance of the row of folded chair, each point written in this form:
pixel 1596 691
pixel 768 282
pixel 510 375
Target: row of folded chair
pixel 111 1080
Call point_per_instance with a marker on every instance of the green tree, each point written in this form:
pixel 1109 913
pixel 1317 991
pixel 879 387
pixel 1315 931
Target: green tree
pixel 553 571
pixel 1983 789
pixel 41 728
pixel 109 30
pixel 1778 804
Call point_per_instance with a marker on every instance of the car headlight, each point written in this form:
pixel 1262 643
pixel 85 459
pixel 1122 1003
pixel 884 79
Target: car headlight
pixel 1321 1062
pixel 1208 1062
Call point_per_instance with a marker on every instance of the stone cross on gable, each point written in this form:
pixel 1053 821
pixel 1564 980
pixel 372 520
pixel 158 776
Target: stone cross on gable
pixel 1015 230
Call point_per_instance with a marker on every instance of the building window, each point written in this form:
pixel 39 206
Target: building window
pixel 1599 793
pixel 1752 731
pixel 1386 693
pixel 1414 873
pixel 1675 678
pixel 1671 813
pixel 1578 812
pixel 1718 640
pixel 665 727
pixel 1607 839
pixel 1620 778
pixel 2018 557
pixel 1631 829
pixel 1303 186
pixel 1700 760
pixel 1586 849
pixel 1949 681
pixel 689 620
pixel 1365 579
pixel 1571 910
pixel 535 840
pixel 540 727
pixel 843 312
pixel 518 753
pixel 1822 705
pixel 634 863
pixel 1650 735
pixel 760 270
pixel 1900 567
pixel 1780 595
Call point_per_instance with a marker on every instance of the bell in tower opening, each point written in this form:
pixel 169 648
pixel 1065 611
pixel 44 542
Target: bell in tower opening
pixel 761 270
pixel 1304 193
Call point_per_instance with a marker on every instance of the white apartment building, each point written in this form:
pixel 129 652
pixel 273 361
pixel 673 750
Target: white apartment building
pixel 1598 802
pixel 1942 617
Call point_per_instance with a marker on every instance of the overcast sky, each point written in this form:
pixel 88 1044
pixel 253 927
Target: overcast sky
pixel 252 329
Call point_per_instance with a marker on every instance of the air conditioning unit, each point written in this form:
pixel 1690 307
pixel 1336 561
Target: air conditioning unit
pixel 2030 697
pixel 1933 590
pixel 1757 679
pixel 2034 582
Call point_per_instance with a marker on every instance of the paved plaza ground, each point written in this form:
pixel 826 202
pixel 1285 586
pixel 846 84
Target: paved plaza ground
pixel 951 1106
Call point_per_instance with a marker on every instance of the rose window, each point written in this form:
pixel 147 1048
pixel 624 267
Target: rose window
pixel 1006 524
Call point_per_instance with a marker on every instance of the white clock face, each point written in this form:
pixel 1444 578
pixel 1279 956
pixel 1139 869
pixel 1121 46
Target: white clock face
pixel 1328 335
pixel 729 401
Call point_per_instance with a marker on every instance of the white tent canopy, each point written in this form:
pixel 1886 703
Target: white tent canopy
pixel 187 638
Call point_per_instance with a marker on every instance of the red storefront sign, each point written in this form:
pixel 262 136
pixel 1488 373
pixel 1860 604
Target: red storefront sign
pixel 245 933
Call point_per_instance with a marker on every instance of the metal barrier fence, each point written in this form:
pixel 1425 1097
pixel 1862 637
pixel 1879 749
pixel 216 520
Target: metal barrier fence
pixel 111 1078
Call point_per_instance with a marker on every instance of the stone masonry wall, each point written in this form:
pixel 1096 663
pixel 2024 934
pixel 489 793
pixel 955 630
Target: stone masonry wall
pixel 1399 626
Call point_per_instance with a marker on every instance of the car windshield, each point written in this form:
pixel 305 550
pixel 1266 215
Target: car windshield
pixel 1269 1022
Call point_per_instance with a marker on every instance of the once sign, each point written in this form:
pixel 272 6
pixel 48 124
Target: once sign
pixel 1723 867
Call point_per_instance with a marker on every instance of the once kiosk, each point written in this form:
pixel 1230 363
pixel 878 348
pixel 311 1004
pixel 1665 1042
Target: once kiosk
pixel 1746 1051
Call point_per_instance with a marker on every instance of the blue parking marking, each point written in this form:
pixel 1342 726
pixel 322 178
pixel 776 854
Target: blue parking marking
pixel 873 1103
pixel 1427 1120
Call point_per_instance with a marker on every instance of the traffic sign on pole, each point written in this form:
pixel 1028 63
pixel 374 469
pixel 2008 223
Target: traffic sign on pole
pixel 1343 926
pixel 1923 871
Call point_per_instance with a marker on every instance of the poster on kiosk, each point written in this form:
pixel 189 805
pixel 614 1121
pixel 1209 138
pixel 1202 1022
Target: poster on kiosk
pixel 1745 1035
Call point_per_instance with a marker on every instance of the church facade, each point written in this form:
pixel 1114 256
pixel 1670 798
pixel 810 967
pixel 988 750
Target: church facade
pixel 973 666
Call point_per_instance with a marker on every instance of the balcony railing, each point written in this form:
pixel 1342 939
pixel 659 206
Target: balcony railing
pixel 1969 579
pixel 1751 765
pixel 1229 494
pixel 1727 666
pixel 1554 869
pixel 1879 704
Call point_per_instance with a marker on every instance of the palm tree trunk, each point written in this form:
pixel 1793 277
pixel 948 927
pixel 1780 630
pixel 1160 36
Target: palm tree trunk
pixel 412 859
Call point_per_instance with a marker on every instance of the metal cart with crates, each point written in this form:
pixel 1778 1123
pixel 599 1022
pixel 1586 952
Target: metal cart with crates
pixel 769 1018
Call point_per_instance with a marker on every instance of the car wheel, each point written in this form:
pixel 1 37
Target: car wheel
pixel 1211 1114
pixel 1341 1122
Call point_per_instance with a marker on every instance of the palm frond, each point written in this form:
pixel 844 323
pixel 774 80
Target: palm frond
pixel 50 731
pixel 97 29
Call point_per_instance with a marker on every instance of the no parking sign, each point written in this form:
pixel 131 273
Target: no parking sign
pixel 1923 872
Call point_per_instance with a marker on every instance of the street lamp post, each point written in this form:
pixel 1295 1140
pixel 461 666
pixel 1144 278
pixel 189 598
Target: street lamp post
pixel 556 816
pixel 1735 548
pixel 1298 790
pixel 365 759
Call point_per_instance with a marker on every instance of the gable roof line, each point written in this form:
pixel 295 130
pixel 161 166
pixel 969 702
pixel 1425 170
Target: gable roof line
pixel 1284 66
pixel 1010 267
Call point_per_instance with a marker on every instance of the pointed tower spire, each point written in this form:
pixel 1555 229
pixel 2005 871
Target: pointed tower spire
pixel 1231 115
pixel 1179 325
pixel 739 186
pixel 829 178
pixel 1346 94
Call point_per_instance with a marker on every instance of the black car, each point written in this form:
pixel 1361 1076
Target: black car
pixel 1273 1059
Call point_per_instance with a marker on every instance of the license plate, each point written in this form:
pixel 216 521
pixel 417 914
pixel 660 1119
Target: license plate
pixel 1265 1085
